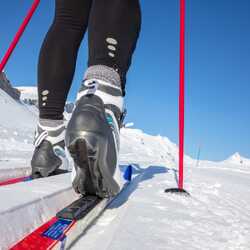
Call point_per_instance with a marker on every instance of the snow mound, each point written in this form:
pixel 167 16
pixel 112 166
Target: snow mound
pixel 135 144
pixel 17 125
pixel 15 115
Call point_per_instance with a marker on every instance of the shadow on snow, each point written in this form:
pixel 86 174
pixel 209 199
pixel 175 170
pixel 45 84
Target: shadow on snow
pixel 141 175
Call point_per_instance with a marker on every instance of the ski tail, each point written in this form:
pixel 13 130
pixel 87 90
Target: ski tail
pixel 69 223
pixel 16 180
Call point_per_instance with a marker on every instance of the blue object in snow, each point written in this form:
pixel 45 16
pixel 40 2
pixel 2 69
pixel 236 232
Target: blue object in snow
pixel 128 173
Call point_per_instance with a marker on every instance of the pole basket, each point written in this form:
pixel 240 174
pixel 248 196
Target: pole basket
pixel 177 191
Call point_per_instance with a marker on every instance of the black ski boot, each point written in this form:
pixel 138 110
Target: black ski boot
pixel 49 154
pixel 92 138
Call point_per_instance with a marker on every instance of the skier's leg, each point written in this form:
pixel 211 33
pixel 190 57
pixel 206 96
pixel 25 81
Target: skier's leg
pixel 92 135
pixel 58 56
pixel 55 72
pixel 114 27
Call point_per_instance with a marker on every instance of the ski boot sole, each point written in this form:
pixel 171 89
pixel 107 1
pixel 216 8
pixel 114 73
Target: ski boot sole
pixel 91 178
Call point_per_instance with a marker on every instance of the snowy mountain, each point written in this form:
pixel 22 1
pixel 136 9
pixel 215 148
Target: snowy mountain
pixel 6 86
pixel 29 94
pixel 238 160
pixel 216 216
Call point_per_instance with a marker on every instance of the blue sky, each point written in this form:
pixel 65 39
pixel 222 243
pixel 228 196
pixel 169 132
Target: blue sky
pixel 217 72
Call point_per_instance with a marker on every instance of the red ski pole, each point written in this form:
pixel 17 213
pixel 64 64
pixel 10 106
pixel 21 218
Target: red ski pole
pixel 18 34
pixel 181 101
pixel 182 92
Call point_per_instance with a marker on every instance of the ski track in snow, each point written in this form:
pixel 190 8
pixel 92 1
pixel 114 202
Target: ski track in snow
pixel 215 216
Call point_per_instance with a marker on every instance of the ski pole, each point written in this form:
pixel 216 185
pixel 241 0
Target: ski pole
pixel 181 101
pixel 19 34
pixel 182 93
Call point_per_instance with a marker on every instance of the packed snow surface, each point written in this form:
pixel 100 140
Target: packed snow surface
pixel 215 216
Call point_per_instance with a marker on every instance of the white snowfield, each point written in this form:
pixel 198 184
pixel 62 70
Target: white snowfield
pixel 215 216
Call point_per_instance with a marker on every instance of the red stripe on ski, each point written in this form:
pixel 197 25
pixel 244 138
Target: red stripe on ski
pixel 14 181
pixel 37 241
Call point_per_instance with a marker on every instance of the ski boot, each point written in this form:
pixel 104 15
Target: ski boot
pixel 49 154
pixel 92 137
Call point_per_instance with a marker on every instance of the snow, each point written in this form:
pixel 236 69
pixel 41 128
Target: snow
pixel 28 92
pixel 17 125
pixel 146 148
pixel 238 160
pixel 15 116
pixel 215 216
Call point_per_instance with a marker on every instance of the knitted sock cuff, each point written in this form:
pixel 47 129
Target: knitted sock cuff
pixel 103 73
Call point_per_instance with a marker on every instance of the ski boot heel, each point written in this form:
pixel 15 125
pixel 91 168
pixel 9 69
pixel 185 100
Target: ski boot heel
pixel 92 175
pixel 82 181
pixel 93 138
pixel 40 167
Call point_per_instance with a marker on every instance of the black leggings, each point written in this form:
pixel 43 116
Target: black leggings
pixel 116 20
